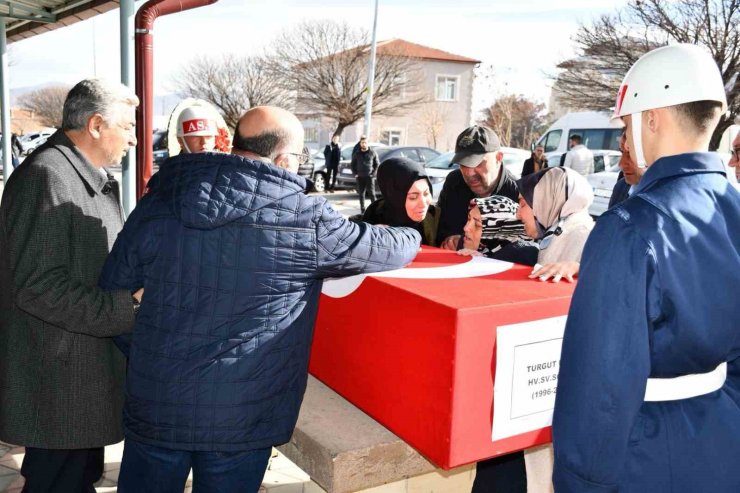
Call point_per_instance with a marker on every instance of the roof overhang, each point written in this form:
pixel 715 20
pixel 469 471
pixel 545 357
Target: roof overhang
pixel 27 18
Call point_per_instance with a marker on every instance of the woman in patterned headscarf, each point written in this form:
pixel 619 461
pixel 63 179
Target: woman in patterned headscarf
pixel 493 230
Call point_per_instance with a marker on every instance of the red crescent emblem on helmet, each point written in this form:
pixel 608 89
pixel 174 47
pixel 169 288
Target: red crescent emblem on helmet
pixel 620 99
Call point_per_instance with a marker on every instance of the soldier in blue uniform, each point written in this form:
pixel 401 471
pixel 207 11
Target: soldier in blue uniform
pixel 649 388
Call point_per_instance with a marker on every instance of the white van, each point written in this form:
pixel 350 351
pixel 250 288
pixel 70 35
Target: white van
pixel 595 128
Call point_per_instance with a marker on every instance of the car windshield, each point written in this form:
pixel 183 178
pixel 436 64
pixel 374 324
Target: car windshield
pixel 382 153
pixel 606 162
pixel 347 153
pixel 443 161
pixel 612 162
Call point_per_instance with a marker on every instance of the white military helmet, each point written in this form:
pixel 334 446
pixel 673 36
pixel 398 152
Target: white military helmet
pixel 196 120
pixel 667 76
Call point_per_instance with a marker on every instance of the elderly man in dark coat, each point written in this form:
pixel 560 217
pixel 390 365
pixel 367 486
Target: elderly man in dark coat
pixel 61 377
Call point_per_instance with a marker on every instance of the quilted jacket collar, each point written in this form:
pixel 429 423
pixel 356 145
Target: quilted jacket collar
pixel 208 190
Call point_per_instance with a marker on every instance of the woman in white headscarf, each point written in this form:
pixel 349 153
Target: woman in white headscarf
pixel 553 205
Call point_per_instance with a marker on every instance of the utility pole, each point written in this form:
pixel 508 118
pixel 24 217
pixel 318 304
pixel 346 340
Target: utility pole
pixel 371 75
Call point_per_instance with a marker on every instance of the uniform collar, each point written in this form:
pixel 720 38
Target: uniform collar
pixel 681 164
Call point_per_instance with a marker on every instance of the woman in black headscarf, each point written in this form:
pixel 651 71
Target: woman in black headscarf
pixel 407 199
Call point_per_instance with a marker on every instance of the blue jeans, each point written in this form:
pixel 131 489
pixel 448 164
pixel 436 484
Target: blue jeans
pixel 149 469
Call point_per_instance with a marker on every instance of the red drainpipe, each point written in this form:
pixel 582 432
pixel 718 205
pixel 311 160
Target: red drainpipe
pixel 145 18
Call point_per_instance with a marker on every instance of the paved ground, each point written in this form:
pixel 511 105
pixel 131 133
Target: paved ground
pixel 282 476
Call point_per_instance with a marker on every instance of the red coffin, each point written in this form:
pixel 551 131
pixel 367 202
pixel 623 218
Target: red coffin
pixel 418 354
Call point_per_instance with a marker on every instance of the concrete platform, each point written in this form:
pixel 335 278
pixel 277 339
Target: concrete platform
pixel 343 449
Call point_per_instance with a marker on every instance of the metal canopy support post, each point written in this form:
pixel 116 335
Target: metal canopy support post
pixel 5 103
pixel 129 161
pixel 371 76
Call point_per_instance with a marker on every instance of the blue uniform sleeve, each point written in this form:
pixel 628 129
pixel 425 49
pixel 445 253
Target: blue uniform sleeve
pixel 347 248
pixel 605 360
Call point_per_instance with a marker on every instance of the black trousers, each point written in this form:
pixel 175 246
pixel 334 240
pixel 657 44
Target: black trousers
pixel 365 185
pixel 331 177
pixel 504 474
pixel 62 471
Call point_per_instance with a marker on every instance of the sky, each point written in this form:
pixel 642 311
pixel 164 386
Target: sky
pixel 522 40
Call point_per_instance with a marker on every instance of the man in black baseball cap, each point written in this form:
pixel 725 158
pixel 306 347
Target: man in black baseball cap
pixel 480 174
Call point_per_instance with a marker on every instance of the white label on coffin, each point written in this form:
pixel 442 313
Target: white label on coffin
pixel 527 365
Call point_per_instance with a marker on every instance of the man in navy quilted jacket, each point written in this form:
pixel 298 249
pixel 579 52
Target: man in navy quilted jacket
pixel 232 254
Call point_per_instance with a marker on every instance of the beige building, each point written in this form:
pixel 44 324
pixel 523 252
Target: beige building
pixel 23 121
pixel 445 81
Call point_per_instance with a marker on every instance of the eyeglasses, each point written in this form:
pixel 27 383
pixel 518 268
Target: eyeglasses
pixel 735 153
pixel 302 157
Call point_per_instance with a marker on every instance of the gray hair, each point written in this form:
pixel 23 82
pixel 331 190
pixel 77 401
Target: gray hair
pixel 92 96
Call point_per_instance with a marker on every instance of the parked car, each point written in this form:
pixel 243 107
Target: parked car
pixel 319 168
pixel 603 179
pixel 439 168
pixel 159 143
pixel 33 140
pixel 605 160
pixel 318 158
pixel 422 155
pixel 306 169
pixel 318 172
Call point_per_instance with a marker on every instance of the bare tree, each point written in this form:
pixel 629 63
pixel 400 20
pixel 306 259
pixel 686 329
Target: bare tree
pixel 325 63
pixel 46 104
pixel 432 119
pixel 517 120
pixel 611 44
pixel 232 83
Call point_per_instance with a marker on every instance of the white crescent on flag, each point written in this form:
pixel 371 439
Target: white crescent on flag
pixel 475 267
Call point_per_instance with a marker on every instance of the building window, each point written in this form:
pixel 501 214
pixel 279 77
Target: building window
pixel 447 87
pixel 311 135
pixel 391 137
pixel 398 85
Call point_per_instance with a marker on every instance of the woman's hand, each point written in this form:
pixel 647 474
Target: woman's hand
pixel 468 252
pixel 556 271
pixel 450 243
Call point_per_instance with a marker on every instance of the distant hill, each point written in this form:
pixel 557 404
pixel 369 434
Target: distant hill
pixel 19 91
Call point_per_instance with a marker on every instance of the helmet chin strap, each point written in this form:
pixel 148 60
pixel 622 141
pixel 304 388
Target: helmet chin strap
pixel 637 153
pixel 185 145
